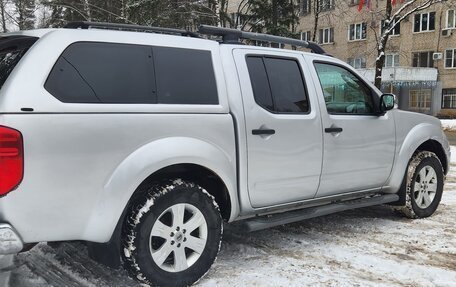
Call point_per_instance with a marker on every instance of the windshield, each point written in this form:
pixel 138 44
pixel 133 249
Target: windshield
pixel 11 51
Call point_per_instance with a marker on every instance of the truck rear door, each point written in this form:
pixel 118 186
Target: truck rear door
pixel 283 127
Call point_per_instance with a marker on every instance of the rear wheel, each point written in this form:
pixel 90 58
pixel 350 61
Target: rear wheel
pixel 425 179
pixel 172 237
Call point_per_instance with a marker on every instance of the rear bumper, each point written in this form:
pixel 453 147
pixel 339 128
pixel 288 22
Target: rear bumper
pixel 10 242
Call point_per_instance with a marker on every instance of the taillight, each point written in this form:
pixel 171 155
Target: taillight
pixel 11 159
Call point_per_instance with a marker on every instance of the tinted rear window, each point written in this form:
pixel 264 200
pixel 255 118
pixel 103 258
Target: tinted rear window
pixel 184 76
pixel 278 84
pixel 120 73
pixel 260 82
pixel 11 51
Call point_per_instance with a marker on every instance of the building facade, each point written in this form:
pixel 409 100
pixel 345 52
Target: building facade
pixel 420 63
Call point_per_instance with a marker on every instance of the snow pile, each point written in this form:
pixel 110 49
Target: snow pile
pixel 449 125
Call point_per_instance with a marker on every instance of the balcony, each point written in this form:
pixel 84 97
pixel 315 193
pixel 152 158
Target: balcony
pixel 403 75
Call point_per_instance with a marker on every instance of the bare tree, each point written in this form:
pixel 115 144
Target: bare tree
pixel 3 15
pixel 316 8
pixel 242 16
pixel 391 18
pixel 318 11
pixel 25 13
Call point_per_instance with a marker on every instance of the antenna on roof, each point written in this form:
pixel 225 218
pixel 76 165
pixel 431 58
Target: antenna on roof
pixel 129 27
pixel 233 36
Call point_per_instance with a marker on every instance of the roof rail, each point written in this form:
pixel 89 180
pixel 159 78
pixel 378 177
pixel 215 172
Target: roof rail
pixel 129 27
pixel 233 36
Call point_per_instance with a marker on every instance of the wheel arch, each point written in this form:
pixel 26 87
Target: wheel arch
pixel 187 158
pixel 421 136
pixel 435 147
pixel 176 155
pixel 203 176
pixel 431 145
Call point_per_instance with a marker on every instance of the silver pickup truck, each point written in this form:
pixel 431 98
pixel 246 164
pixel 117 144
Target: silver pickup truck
pixel 142 141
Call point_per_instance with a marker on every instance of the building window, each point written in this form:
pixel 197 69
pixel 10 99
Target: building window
pixel 357 63
pixel 268 44
pixel 304 7
pixel 305 36
pixel 391 60
pixel 357 31
pixel 422 59
pixel 397 29
pixel 326 36
pixel 451 19
pixel 450 58
pixel 420 99
pixel 449 98
pixel 325 5
pixel 424 22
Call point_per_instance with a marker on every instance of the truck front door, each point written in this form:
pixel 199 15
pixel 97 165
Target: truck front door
pixel 359 144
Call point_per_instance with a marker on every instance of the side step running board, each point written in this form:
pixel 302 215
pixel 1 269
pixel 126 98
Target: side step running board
pixel 263 222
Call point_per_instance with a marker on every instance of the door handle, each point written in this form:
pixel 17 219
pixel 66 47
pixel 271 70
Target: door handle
pixel 258 132
pixel 333 130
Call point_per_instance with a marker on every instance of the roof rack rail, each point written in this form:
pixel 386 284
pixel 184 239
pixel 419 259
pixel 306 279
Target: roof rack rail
pixel 233 36
pixel 129 27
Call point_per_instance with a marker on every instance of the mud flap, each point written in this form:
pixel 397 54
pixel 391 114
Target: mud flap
pixel 108 253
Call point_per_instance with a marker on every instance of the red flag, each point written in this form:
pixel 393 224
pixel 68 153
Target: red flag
pixel 361 3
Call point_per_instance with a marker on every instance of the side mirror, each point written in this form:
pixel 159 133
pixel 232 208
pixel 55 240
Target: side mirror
pixel 387 102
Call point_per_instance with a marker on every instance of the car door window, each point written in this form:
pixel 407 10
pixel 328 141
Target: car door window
pixel 344 92
pixel 278 84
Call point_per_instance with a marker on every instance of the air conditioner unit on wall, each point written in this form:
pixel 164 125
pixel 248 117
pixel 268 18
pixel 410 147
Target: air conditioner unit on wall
pixel 446 32
pixel 437 56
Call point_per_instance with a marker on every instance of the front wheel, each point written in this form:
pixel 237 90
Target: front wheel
pixel 172 236
pixel 424 188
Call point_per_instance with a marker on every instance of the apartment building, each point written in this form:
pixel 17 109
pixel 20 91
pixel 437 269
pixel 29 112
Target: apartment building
pixel 420 64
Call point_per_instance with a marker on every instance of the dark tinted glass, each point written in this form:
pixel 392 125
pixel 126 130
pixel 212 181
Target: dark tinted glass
pixel 120 73
pixel 260 84
pixel 105 73
pixel 67 85
pixel 184 76
pixel 287 85
pixel 8 60
pixel 12 49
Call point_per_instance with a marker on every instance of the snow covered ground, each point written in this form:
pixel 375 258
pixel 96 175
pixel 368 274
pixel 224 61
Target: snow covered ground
pixel 367 247
pixel 448 124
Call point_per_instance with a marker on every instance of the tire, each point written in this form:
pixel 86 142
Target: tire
pixel 158 248
pixel 424 185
